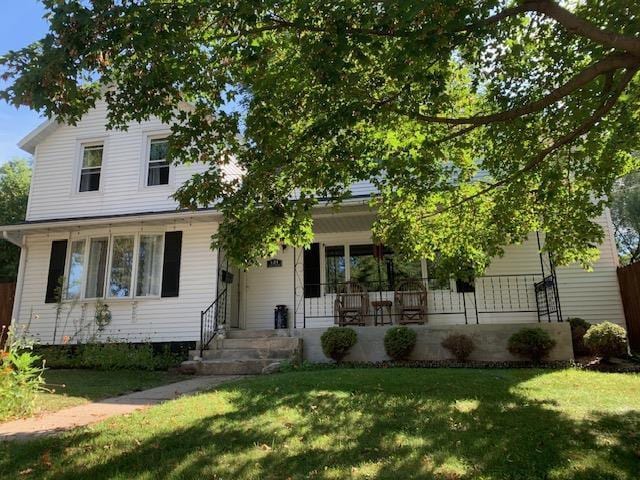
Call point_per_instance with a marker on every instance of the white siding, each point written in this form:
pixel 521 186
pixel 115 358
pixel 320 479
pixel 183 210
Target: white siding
pixel 157 319
pixel 595 295
pixel 263 288
pixel 54 190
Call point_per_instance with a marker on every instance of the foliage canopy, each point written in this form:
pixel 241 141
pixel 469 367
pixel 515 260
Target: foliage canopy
pixel 625 212
pixel 15 179
pixel 479 121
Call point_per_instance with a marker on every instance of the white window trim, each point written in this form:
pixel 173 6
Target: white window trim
pixel 81 143
pixel 146 150
pixel 107 275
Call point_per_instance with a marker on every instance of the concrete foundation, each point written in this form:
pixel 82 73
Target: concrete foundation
pixel 490 342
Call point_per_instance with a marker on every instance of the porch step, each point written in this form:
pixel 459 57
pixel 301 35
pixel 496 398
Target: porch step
pixel 241 353
pixel 244 353
pixel 262 343
pixel 245 366
pixel 263 333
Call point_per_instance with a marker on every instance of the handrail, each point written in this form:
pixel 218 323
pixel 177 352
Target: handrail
pixel 210 320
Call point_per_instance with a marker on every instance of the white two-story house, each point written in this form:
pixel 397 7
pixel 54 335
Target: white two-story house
pixel 102 228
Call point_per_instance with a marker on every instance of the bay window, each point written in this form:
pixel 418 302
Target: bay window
pixel 121 266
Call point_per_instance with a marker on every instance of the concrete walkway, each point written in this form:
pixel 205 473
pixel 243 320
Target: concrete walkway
pixel 56 422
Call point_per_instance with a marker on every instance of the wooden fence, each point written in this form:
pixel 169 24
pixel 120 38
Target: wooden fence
pixel 629 280
pixel 7 293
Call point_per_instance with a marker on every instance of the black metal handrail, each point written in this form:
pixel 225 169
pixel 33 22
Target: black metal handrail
pixel 212 320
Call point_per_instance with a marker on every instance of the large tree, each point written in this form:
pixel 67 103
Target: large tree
pixel 480 121
pixel 625 211
pixel 15 178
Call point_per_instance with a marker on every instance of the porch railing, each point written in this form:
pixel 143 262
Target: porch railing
pixel 519 294
pixel 212 320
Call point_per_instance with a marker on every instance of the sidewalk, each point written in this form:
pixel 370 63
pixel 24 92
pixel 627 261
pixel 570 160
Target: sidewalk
pixel 56 422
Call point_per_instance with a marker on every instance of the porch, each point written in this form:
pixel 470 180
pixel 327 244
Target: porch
pixel 519 288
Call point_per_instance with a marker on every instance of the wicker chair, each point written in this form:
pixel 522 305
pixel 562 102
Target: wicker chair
pixel 351 305
pixel 411 302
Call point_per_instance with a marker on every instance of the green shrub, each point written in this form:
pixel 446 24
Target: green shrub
pixel 532 343
pixel 20 377
pixel 459 345
pixel 109 356
pixel 59 356
pixel 578 328
pixel 606 340
pixel 399 342
pixel 337 341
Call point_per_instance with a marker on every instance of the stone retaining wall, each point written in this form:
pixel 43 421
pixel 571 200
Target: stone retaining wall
pixel 490 342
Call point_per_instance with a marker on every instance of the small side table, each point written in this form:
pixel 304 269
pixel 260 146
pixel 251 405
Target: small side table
pixel 378 309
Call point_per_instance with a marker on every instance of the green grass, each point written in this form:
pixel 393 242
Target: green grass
pixel 69 388
pixel 364 423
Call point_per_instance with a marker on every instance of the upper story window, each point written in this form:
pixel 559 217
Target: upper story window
pixel 91 168
pixel 158 162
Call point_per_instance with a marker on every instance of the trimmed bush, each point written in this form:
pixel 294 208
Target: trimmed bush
pixel 337 341
pixel 399 342
pixel 532 343
pixel 578 328
pixel 459 345
pixel 606 340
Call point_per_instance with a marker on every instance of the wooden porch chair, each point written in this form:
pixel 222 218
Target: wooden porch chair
pixel 411 302
pixel 351 306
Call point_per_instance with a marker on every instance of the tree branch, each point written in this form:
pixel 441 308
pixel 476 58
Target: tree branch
pixel 608 64
pixel 584 28
pixel 604 108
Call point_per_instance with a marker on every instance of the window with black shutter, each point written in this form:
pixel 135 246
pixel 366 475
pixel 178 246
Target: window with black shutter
pixel 171 265
pixel 56 270
pixel 312 271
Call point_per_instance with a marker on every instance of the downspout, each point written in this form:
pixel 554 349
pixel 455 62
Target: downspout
pixel 17 298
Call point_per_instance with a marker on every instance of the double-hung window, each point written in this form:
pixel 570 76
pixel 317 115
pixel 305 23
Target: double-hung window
pixel 158 163
pixel 91 167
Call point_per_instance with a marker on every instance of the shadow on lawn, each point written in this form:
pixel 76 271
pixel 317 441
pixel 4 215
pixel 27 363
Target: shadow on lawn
pixel 347 424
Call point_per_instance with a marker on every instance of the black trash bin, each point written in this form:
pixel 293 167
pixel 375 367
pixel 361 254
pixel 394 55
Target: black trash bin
pixel 281 317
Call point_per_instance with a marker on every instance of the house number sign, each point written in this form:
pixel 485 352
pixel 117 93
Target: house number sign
pixel 274 262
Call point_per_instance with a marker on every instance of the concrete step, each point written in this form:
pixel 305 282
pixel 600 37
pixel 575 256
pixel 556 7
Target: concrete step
pixel 262 343
pixel 228 367
pixel 242 353
pixel 262 333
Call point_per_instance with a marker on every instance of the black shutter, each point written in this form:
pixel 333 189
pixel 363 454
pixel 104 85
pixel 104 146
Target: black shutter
pixel 171 265
pixel 312 271
pixel 56 269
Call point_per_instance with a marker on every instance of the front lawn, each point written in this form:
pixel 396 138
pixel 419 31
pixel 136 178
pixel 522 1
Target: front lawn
pixel 69 388
pixel 364 423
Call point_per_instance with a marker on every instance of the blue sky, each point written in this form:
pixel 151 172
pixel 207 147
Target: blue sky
pixel 21 23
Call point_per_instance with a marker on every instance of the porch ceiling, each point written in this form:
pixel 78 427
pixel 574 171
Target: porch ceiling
pixel 344 222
